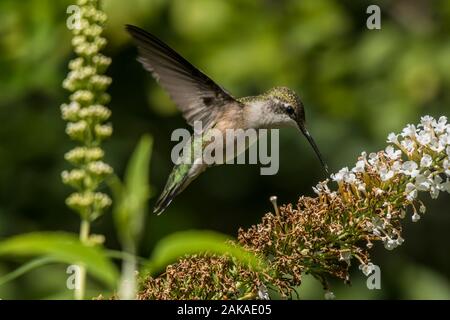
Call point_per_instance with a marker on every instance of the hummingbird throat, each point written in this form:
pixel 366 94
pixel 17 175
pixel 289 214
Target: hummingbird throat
pixel 230 146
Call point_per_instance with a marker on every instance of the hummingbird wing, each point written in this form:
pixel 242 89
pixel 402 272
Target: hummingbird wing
pixel 197 96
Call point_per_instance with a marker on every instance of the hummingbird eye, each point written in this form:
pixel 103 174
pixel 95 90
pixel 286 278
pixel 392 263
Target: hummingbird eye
pixel 290 111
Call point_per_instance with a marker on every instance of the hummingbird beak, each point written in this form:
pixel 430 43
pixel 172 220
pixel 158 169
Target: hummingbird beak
pixel 313 145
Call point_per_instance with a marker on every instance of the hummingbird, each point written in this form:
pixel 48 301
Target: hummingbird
pixel 200 99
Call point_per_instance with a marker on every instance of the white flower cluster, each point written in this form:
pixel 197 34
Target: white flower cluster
pixel 417 159
pixel 427 164
pixel 367 269
pixel 80 202
pixel 329 295
pixel 86 113
pixel 83 155
pixel 87 40
pixel 427 148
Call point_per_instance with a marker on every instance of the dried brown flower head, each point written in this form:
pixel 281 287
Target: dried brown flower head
pixel 322 235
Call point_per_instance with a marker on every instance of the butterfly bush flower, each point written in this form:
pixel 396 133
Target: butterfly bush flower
pixel 321 236
pixel 86 114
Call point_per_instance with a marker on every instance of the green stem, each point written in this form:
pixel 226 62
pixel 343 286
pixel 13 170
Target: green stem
pixel 80 288
pixel 127 289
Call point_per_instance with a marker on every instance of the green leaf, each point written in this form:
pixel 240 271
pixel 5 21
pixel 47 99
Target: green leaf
pixel 132 197
pixel 173 247
pixel 62 247
pixel 33 264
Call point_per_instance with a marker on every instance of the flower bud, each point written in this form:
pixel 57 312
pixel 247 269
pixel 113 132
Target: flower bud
pixel 80 202
pixel 70 111
pixel 100 168
pixel 76 63
pixel 83 97
pixel 101 61
pixel 77 130
pixel 74 177
pixel 103 131
pixel 100 82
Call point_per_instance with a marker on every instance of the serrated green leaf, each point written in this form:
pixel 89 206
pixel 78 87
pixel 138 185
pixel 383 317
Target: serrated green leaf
pixel 62 247
pixel 173 247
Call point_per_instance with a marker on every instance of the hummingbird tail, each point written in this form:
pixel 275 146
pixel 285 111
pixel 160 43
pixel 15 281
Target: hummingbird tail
pixel 180 177
pixel 163 201
pixel 173 187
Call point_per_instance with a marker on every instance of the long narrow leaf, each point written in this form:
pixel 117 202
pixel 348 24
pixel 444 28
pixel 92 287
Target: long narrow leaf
pixel 133 195
pixel 27 267
pixel 62 247
pixel 177 245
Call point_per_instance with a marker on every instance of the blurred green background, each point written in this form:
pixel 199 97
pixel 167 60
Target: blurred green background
pixel 357 85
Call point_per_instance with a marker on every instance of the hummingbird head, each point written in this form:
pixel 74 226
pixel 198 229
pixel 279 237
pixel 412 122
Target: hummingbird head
pixel 286 109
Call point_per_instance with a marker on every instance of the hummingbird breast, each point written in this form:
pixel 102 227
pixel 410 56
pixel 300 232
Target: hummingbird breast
pixel 231 117
pixel 234 134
